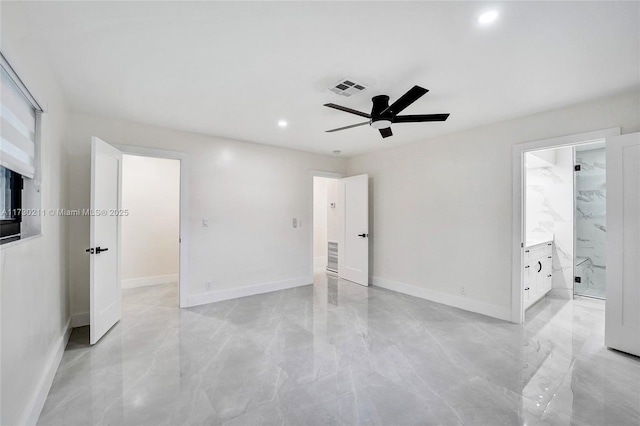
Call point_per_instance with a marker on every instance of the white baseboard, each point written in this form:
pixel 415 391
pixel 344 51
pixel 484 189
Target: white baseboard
pixel 34 408
pixel 80 320
pixel 234 293
pixel 561 293
pixel 460 302
pixel 147 281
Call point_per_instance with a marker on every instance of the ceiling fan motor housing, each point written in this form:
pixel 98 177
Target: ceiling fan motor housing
pixel 379 120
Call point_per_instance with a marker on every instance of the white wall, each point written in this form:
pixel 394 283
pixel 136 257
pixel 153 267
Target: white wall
pixel 549 203
pixel 150 231
pixel 441 208
pixel 249 193
pixel 34 295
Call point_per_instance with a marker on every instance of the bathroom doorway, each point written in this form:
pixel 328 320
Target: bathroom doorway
pixel 565 222
pixel 568 216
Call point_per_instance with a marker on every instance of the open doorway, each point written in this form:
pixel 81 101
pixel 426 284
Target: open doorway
pixel 565 222
pixel 150 247
pixel 553 205
pixel 105 231
pixel 339 234
pixel 326 225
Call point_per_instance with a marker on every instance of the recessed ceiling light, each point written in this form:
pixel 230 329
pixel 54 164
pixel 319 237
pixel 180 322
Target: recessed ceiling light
pixel 282 123
pixel 488 17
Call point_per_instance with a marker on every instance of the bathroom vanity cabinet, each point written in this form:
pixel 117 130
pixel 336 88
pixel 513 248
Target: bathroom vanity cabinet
pixel 538 270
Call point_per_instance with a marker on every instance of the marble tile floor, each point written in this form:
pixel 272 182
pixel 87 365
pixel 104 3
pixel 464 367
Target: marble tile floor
pixel 338 353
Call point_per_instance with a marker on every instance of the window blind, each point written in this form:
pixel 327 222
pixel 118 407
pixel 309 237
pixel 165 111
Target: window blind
pixel 17 127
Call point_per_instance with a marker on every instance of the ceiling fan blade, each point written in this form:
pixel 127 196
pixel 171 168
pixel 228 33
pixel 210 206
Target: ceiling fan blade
pixel 345 109
pixel 386 132
pixel 347 127
pixel 405 100
pixel 419 118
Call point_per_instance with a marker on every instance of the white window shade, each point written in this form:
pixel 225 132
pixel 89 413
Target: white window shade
pixel 17 127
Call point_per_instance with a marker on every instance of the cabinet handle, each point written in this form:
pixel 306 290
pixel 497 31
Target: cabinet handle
pixel 548 257
pixel 548 244
pixel 549 276
pixel 526 251
pixel 540 265
pixel 526 267
pixel 526 288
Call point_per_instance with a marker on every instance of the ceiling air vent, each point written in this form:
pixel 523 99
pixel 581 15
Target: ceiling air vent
pixel 347 87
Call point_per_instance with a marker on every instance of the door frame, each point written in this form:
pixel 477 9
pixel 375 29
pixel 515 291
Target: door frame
pixel 519 204
pixel 312 174
pixel 184 208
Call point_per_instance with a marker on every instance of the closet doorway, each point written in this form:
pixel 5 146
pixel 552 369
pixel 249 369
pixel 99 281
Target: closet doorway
pixel 326 225
pixel 150 238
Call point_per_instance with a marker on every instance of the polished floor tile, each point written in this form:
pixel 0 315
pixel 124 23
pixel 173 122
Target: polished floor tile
pixel 338 353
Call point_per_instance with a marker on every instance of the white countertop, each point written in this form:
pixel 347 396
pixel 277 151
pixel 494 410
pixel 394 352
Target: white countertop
pixel 535 239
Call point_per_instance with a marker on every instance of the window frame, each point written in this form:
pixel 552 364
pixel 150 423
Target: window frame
pixel 14 229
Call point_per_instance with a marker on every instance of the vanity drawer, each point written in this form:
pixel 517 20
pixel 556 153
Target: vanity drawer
pixel 537 251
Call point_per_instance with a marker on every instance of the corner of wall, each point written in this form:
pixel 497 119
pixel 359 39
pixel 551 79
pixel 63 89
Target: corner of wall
pixel 38 265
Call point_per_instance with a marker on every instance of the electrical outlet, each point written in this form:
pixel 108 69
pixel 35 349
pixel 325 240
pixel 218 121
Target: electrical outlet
pixel 207 285
pixel 463 291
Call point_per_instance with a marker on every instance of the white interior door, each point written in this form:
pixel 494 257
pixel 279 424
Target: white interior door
pixel 104 249
pixel 353 246
pixel 622 325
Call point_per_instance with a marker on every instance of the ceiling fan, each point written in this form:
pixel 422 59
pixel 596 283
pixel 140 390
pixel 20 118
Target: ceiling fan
pixel 383 114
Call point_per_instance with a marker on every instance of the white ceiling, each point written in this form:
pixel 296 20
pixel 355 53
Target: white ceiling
pixel 235 69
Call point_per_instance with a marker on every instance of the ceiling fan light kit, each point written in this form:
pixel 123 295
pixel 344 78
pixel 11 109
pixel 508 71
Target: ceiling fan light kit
pixel 383 115
pixel 381 124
